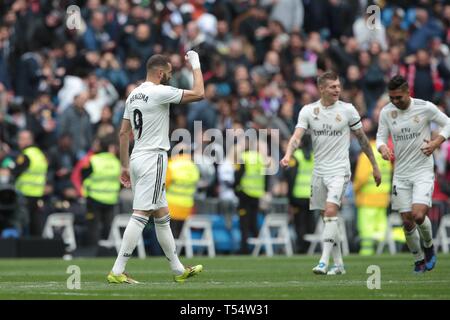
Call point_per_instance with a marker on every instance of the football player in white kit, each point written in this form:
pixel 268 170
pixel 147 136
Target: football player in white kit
pixel 407 121
pixel 330 121
pixel 147 116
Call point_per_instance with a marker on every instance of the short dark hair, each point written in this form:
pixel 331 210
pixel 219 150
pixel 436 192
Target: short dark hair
pixel 107 141
pixel 397 82
pixel 327 75
pixel 157 60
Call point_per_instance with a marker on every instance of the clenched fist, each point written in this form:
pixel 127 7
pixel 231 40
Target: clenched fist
pixel 193 59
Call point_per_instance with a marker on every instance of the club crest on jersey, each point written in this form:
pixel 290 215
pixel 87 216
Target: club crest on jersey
pixel 416 119
pixel 394 114
pixel 338 118
pixel 316 113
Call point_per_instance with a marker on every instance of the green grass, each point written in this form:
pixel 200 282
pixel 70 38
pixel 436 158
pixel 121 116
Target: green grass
pixel 225 278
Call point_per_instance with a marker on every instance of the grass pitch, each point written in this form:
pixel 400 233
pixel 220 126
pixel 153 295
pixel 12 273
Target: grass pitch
pixel 225 278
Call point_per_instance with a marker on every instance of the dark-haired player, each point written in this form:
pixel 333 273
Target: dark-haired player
pixel 408 120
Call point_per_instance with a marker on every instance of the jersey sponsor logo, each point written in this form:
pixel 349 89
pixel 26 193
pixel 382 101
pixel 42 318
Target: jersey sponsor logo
pixel 327 130
pixel 394 114
pixel 406 134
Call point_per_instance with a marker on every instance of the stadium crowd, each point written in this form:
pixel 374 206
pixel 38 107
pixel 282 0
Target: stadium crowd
pixel 63 89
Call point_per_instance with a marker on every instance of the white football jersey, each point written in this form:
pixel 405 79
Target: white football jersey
pixel 409 128
pixel 330 132
pixel 147 108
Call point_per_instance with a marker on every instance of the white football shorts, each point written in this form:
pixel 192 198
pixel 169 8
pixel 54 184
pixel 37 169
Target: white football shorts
pixel 406 192
pixel 148 180
pixel 327 189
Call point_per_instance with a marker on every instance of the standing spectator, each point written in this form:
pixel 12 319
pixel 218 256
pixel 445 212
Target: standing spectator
pixel 251 185
pixel 424 76
pixel 181 185
pixel 101 93
pixel 424 28
pixel 298 175
pixel 194 39
pixel 110 69
pixel 204 110
pixel 30 171
pixel 62 160
pixel 142 42
pixel 371 201
pixel 96 38
pixel 76 122
pixel 101 188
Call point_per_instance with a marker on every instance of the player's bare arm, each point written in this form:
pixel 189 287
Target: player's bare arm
pixel 198 91
pixel 294 143
pixel 124 136
pixel 367 149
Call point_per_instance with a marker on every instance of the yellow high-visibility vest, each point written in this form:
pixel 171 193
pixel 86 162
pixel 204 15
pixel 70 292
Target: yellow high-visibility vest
pixel 386 171
pixel 183 183
pixel 252 183
pixel 302 186
pixel 31 183
pixel 103 184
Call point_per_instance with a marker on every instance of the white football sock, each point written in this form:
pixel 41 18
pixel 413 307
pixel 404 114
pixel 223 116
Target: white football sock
pixel 426 232
pixel 329 235
pixel 131 237
pixel 167 243
pixel 336 252
pixel 413 242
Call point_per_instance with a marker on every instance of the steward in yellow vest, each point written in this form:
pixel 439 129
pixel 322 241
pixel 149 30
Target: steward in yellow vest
pixel 371 201
pixel 298 176
pixel 181 184
pixel 101 187
pixel 30 172
pixel 250 185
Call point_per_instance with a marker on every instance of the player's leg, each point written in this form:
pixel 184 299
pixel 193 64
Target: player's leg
pixel 144 172
pixel 422 201
pixel 167 242
pixel 331 240
pixel 317 202
pixel 130 239
pixel 401 202
pixel 336 188
pixel 164 233
pixel 413 241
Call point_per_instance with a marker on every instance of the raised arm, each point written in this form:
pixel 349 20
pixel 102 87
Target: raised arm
pixel 198 91
pixel 367 149
pixel 294 143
